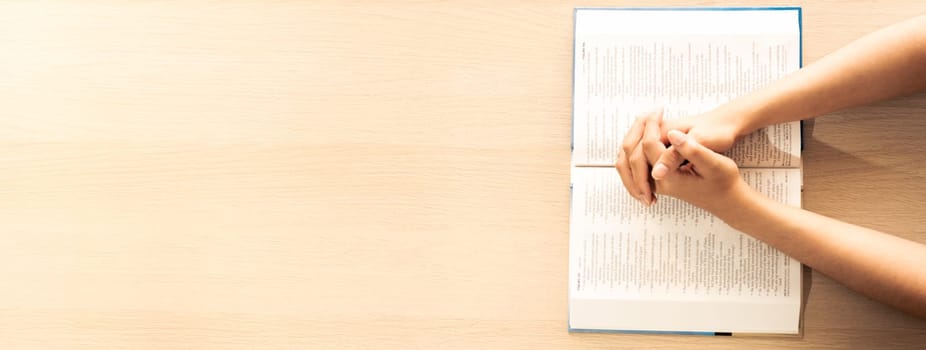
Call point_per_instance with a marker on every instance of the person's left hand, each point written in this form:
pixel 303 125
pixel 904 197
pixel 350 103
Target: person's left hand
pixel 641 146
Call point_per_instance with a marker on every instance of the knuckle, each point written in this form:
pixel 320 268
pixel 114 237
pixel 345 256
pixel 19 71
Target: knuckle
pixel 627 147
pixel 729 164
pixel 652 143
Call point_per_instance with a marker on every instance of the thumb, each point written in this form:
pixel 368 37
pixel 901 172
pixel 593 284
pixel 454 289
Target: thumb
pixel 683 125
pixel 702 158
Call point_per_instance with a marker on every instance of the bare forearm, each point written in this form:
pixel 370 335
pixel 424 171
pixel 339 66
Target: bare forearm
pixel 884 267
pixel 888 63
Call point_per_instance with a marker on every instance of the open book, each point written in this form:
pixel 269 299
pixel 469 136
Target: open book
pixel 673 267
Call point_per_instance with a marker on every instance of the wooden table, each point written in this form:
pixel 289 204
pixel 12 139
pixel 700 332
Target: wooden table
pixel 352 174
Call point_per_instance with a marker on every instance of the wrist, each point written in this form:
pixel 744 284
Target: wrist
pixel 737 205
pixel 743 116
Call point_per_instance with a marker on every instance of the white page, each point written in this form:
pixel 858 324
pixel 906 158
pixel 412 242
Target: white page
pixel 627 62
pixel 658 266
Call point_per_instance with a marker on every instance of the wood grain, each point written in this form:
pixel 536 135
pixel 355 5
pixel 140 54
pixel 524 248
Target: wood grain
pixel 356 174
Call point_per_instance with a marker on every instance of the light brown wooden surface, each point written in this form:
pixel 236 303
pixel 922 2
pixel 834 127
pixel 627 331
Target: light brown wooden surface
pixel 352 174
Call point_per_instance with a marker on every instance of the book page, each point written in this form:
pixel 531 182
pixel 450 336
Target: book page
pixel 672 249
pixel 672 254
pixel 628 62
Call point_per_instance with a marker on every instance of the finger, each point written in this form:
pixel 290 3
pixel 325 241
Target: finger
pixel 633 136
pixel 701 158
pixel 653 147
pixel 623 168
pixel 683 125
pixel 668 161
pixel 628 145
pixel 674 180
pixel 639 170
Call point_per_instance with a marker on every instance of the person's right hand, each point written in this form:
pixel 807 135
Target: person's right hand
pixel 710 180
pixel 715 131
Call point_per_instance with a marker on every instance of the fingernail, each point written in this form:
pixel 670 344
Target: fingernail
pixel 659 171
pixel 677 137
